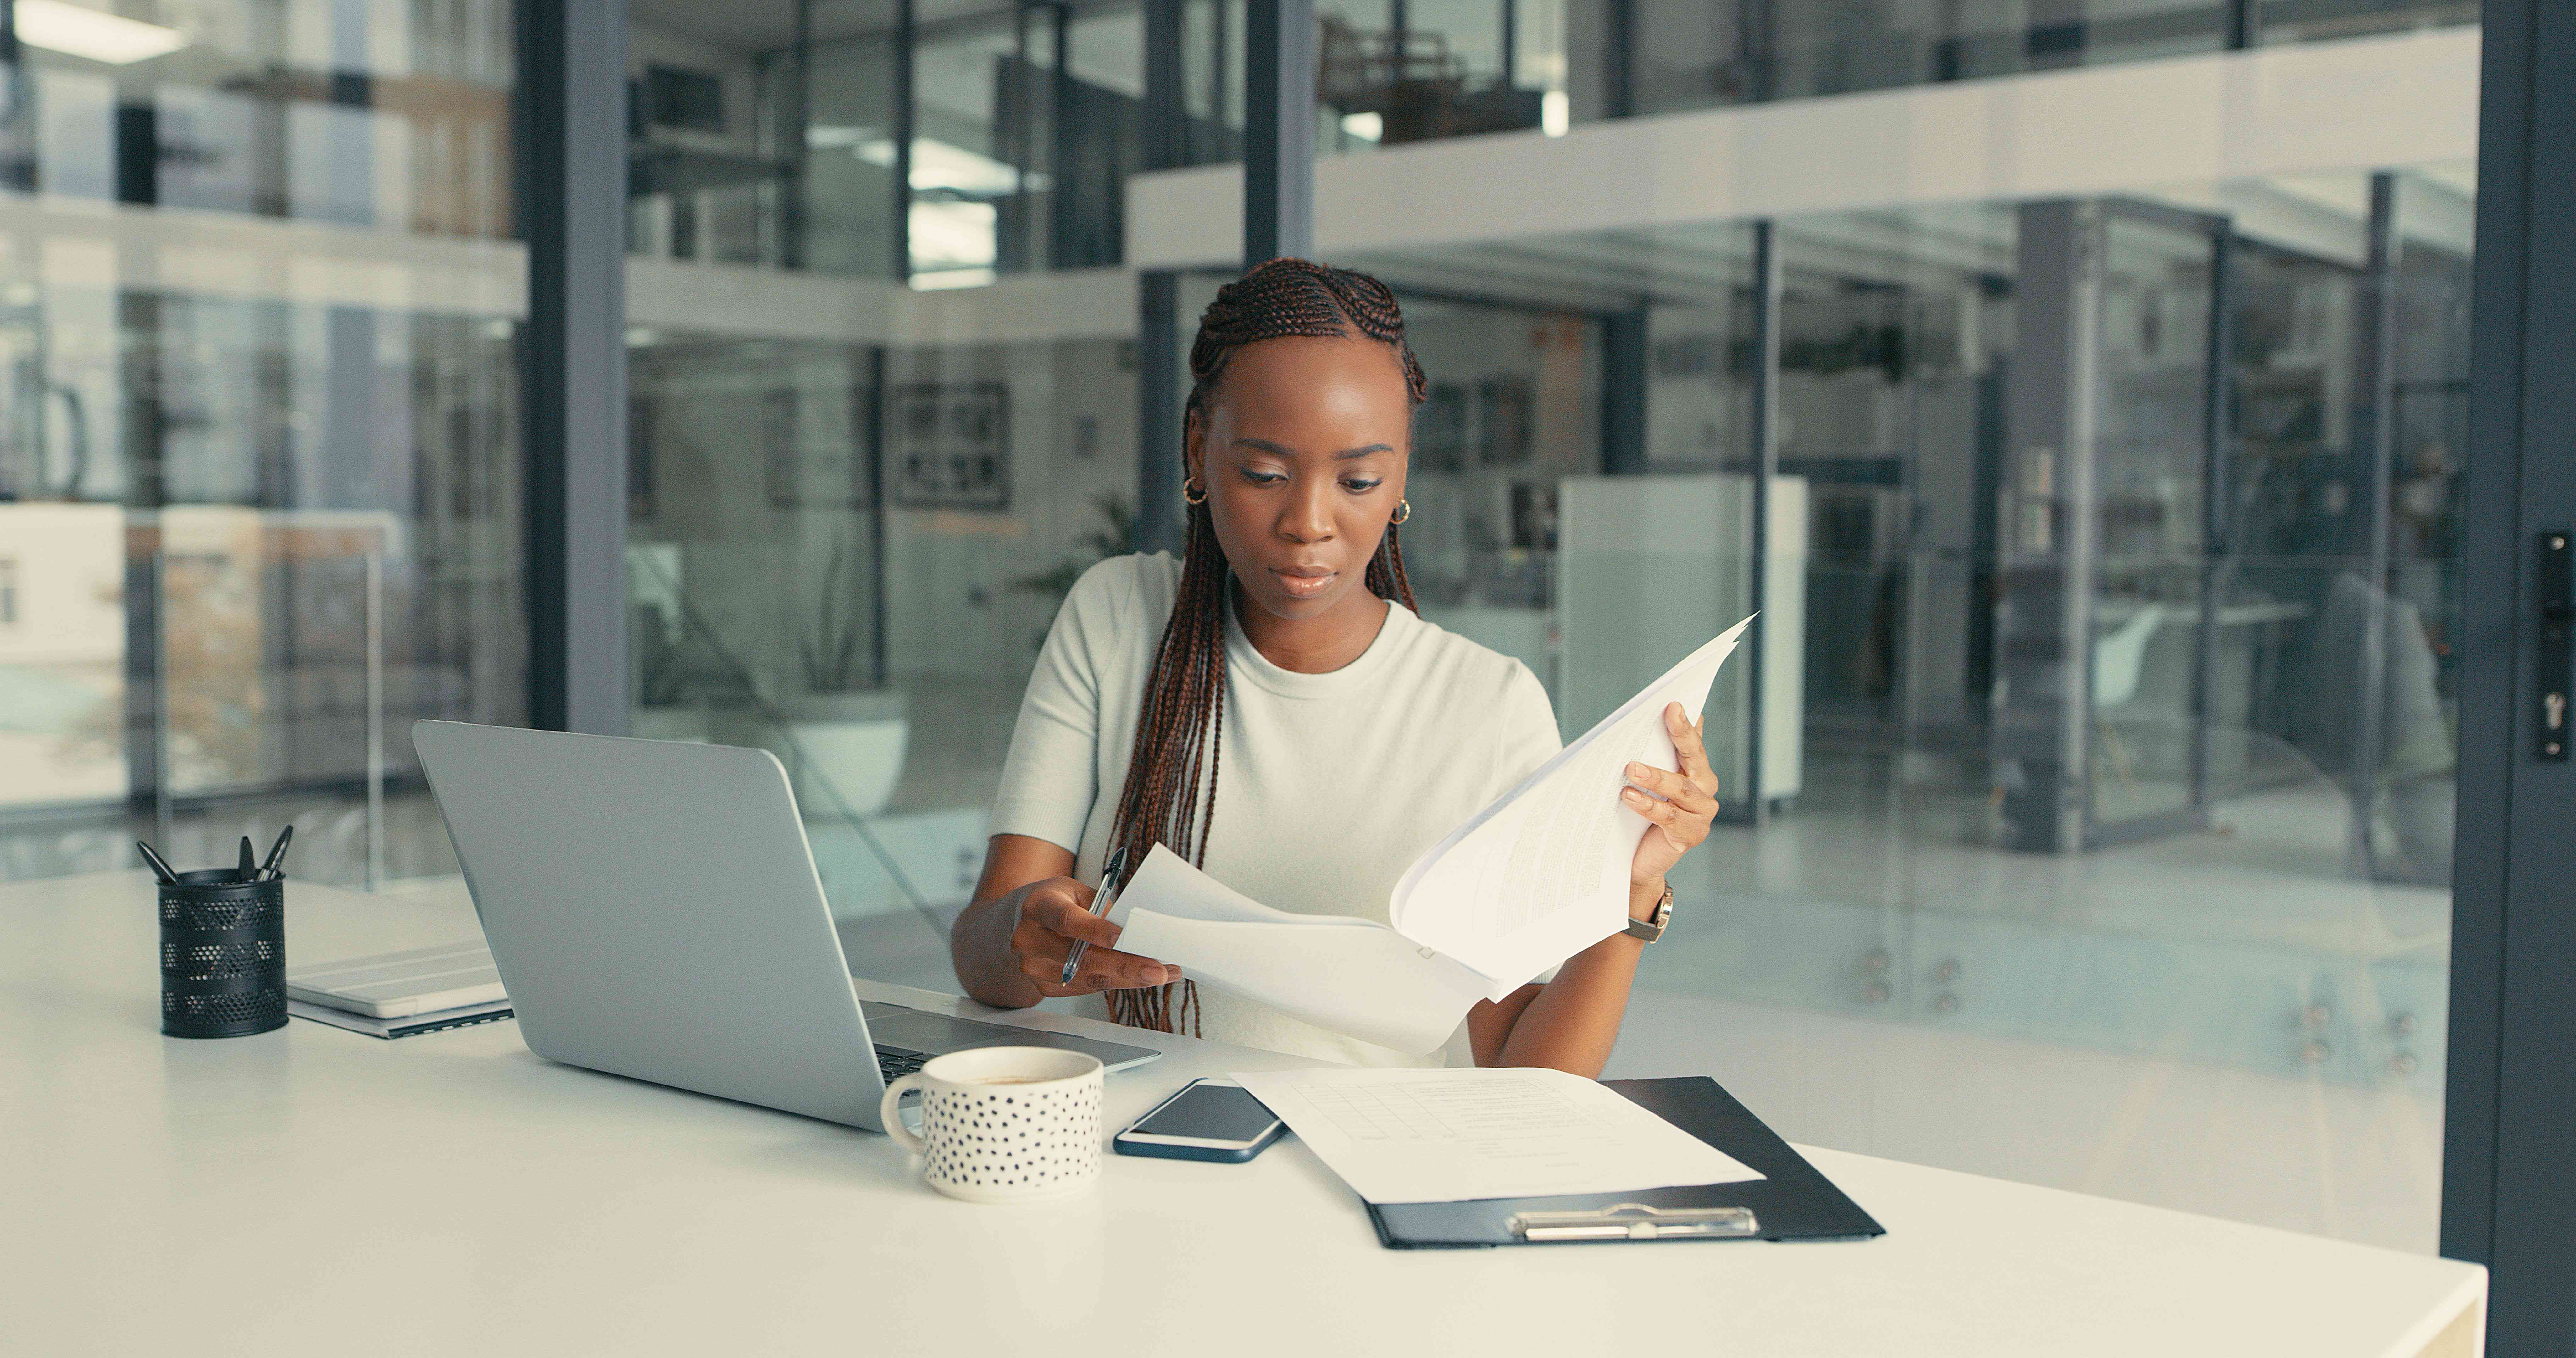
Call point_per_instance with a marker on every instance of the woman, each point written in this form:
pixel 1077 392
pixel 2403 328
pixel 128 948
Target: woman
pixel 1271 708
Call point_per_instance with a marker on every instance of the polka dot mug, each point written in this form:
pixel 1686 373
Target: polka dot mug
pixel 1004 1124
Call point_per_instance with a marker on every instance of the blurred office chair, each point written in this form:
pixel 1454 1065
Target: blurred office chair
pixel 2414 757
pixel 2119 659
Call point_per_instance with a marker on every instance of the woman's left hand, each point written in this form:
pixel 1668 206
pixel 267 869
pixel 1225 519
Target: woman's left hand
pixel 1687 805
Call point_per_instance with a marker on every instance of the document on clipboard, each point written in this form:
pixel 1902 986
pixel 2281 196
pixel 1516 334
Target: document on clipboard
pixel 1446 1135
pixel 1791 1201
pixel 1534 878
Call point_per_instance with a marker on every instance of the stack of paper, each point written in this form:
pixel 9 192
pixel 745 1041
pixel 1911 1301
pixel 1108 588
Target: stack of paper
pixel 1526 883
pixel 1461 1134
pixel 1354 976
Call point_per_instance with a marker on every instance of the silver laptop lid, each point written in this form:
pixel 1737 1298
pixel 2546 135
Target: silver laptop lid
pixel 654 911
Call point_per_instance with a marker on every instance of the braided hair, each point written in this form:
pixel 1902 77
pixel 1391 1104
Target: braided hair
pixel 1170 794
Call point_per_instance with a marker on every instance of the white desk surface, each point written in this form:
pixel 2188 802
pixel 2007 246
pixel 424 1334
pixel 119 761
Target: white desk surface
pixel 312 1190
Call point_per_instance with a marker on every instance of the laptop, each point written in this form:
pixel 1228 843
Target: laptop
pixel 654 912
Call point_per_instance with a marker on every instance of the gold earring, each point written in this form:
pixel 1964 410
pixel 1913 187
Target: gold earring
pixel 1192 484
pixel 1403 511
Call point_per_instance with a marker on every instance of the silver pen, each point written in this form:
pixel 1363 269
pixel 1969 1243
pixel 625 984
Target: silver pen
pixel 1101 900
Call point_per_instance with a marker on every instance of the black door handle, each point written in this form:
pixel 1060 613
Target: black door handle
pixel 2557 642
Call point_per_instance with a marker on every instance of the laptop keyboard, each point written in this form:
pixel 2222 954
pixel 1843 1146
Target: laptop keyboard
pixel 894 1063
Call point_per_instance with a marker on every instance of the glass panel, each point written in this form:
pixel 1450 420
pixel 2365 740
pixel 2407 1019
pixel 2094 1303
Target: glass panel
pixel 986 112
pixel 258 498
pixel 1510 415
pixel 2325 20
pixel 1027 125
pixel 2148 630
pixel 853 510
pixel 2048 891
pixel 861 584
pixel 757 141
pixel 846 175
pixel 1690 55
pixel 1391 71
pixel 1212 81
pixel 1699 56
pixel 1102 140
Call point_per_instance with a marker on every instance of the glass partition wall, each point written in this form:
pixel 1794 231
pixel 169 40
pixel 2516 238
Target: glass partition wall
pixel 848 554
pixel 866 467
pixel 2089 808
pixel 2108 791
pixel 781 136
pixel 1685 54
pixel 1391 72
pixel 259 467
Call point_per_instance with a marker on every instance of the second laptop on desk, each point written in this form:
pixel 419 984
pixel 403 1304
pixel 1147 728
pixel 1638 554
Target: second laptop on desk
pixel 654 911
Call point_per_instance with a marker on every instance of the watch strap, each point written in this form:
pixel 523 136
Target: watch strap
pixel 1651 928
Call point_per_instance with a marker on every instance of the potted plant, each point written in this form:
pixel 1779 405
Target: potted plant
pixel 842 738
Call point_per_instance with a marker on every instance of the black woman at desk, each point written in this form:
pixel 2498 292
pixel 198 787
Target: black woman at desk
pixel 1272 708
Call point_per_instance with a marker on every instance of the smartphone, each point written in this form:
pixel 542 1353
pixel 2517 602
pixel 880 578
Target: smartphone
pixel 1208 1120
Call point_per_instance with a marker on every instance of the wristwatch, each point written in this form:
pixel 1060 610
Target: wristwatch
pixel 1652 926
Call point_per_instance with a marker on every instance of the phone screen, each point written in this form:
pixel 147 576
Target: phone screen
pixel 1212 1113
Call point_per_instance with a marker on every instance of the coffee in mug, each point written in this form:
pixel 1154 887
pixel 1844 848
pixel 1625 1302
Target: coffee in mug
pixel 1004 1124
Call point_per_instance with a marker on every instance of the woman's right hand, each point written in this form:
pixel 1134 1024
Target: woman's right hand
pixel 1052 913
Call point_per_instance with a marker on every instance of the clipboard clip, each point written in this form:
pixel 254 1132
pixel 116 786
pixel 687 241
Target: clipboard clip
pixel 1635 1221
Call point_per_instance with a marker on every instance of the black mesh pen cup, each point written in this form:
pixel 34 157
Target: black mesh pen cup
pixel 223 954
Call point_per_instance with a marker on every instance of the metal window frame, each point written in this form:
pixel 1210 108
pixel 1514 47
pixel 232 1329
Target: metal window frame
pixel 2509 1134
pixel 2510 1121
pixel 571 138
pixel 1768 292
pixel 1279 130
pixel 1158 298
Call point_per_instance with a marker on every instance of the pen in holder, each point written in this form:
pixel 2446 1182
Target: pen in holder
pixel 223 949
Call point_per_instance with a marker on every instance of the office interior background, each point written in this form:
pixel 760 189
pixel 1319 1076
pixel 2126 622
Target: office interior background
pixel 2179 936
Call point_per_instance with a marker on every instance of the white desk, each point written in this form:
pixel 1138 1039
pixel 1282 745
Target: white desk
pixel 452 1194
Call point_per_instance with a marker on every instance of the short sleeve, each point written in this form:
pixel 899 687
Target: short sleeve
pixel 1051 777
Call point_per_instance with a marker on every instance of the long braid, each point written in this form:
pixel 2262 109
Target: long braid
pixel 1170 794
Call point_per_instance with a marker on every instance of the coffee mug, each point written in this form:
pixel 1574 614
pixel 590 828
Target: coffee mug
pixel 1003 1124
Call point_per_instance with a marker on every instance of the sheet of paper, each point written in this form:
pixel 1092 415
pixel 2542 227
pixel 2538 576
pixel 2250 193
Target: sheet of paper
pixel 1352 976
pixel 1167 884
pixel 1455 1134
pixel 1543 872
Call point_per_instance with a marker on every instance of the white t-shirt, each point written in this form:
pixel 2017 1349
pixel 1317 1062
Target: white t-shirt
pixel 1329 785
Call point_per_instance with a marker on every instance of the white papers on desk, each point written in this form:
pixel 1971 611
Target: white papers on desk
pixel 1454 1135
pixel 1526 883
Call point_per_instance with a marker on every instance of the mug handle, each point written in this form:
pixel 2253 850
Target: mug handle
pixel 890 1113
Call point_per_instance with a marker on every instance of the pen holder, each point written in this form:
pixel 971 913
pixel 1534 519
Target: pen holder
pixel 223 954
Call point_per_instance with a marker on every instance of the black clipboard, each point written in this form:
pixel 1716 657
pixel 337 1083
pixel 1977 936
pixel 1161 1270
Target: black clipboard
pixel 1794 1202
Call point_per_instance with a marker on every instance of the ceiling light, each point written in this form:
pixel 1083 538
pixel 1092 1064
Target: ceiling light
pixel 952 235
pixel 110 39
pixel 948 279
pixel 938 165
